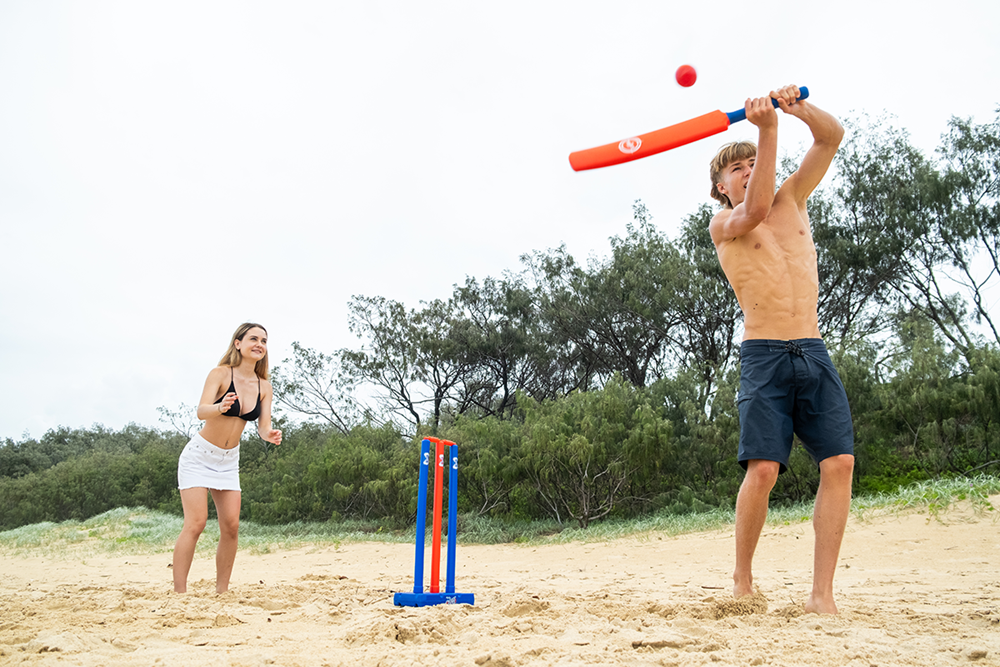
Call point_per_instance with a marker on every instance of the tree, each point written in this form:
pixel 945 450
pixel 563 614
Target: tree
pixel 867 230
pixel 317 385
pixel 708 312
pixel 388 359
pixel 184 420
pixel 411 356
pixel 490 466
pixel 442 362
pixel 903 232
pixel 971 236
pixel 508 349
pixel 618 313
pixel 580 452
pixel 935 412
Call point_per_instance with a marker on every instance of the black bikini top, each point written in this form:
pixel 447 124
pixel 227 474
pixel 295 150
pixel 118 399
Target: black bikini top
pixel 234 409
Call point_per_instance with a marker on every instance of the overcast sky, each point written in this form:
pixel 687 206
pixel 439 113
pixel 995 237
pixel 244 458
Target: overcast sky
pixel 171 169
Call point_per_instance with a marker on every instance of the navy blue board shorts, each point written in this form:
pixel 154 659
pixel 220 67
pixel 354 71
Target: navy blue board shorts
pixel 786 387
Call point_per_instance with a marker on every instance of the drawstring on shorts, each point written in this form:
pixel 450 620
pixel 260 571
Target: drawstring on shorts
pixel 793 348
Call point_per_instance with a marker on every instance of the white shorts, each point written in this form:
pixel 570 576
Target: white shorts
pixel 203 465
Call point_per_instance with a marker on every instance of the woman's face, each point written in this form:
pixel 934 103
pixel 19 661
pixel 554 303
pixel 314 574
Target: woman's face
pixel 253 344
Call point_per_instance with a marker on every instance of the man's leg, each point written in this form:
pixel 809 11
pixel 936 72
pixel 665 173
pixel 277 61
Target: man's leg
pixel 751 511
pixel 227 504
pixel 833 504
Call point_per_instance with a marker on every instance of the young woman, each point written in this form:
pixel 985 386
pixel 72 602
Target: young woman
pixel 237 391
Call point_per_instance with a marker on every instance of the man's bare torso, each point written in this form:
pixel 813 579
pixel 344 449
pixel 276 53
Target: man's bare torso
pixel 774 273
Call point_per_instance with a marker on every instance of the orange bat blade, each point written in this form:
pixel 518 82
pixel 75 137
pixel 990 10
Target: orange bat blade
pixel 650 143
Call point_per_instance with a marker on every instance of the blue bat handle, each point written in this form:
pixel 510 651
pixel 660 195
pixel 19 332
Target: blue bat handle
pixel 741 114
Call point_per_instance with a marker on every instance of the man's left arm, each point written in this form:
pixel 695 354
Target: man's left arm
pixel 827 133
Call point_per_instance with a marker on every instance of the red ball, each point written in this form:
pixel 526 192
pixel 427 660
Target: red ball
pixel 686 76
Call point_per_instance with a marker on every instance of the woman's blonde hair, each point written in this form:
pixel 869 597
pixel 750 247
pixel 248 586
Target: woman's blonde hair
pixel 731 152
pixel 234 357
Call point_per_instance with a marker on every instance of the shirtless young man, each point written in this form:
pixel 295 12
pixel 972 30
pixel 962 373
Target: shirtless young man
pixel 787 383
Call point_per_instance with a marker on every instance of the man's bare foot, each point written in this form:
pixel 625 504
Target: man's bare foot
pixel 817 604
pixel 742 588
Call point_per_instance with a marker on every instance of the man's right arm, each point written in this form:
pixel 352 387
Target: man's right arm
pixel 745 216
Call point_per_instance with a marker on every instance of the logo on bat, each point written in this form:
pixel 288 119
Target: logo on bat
pixel 630 146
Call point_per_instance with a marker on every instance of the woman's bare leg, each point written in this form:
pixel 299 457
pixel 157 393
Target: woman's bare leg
pixel 195 504
pixel 227 504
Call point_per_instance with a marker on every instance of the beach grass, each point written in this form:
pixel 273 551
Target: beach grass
pixel 936 497
pixel 128 531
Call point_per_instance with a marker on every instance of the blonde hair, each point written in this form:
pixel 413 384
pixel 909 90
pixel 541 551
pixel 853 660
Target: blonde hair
pixel 234 357
pixel 731 152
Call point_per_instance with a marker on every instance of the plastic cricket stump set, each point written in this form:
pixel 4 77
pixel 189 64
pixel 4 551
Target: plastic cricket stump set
pixel 418 598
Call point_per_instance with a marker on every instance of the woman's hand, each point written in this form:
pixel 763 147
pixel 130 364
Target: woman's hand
pixel 273 436
pixel 227 402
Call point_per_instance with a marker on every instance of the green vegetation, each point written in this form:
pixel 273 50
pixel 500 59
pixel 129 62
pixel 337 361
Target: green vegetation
pixel 615 453
pixel 127 531
pixel 596 396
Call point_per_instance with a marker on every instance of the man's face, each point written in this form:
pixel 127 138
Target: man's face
pixel 734 179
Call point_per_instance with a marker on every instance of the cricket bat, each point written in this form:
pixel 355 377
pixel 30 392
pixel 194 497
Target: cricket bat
pixel 658 141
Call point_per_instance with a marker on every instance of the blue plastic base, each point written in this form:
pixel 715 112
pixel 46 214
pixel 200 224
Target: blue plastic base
pixel 428 599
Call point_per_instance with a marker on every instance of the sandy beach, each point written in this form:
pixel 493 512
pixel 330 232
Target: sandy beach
pixel 912 590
